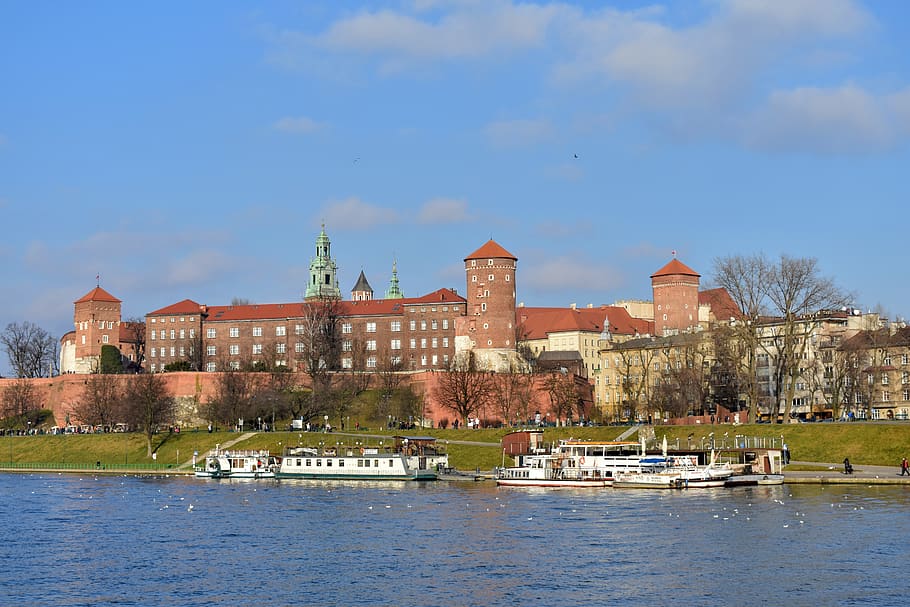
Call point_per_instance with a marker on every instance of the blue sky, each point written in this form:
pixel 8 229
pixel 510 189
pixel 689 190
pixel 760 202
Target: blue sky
pixel 192 149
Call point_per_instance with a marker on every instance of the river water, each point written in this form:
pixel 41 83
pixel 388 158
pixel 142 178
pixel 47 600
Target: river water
pixel 107 540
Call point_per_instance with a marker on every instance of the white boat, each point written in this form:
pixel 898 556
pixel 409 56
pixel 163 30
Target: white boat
pixel 221 463
pixel 573 463
pixel 408 459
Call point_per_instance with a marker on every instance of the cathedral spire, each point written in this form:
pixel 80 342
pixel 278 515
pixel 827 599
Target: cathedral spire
pixel 323 271
pixel 394 292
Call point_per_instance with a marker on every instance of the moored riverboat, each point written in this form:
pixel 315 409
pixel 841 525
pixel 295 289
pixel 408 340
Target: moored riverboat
pixel 407 459
pixel 221 463
pixel 573 463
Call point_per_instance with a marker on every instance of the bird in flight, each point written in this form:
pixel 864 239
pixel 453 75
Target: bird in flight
pixel 576 155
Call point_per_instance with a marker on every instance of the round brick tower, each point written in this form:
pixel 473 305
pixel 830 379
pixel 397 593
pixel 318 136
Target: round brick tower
pixel 489 326
pixel 675 288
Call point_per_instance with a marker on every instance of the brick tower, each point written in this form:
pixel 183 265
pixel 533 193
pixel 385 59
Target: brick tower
pixel 97 321
pixel 489 327
pixel 675 289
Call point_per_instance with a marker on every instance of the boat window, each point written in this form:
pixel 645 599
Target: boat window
pixel 328 462
pixel 366 463
pixel 318 463
pixel 391 463
pixel 341 463
pixel 308 463
pixel 376 463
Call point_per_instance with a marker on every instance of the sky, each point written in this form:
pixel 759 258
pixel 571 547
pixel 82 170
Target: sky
pixel 173 150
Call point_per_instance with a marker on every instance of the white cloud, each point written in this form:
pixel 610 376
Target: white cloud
pixel 355 214
pixel 840 120
pixel 300 125
pixel 574 273
pixel 517 133
pixel 473 30
pixel 444 211
pixel 197 267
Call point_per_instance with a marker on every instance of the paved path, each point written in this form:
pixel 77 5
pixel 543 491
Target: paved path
pixel 227 445
pixel 834 474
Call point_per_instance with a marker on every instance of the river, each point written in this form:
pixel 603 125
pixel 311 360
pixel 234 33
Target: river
pixel 128 540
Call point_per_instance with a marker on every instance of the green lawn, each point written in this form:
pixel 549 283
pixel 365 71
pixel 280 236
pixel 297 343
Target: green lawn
pixel 864 443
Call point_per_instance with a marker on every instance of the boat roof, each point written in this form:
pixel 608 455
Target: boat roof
pixel 607 443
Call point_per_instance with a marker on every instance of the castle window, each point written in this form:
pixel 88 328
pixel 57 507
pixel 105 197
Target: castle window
pixel 153 334
pixel 507 278
pixel 210 333
pixel 234 349
pixel 423 325
pixel 298 347
pixel 173 334
pixel 483 307
pixel 413 343
pixel 371 362
pixel 396 344
pixel 435 360
pixel 371 327
pixel 474 278
pixel 182 333
pixel 346 327
pixel 257 331
pixel 257 348
pixel 371 345
pixel 433 343
pixel 210 350
pixel 433 324
pixel 445 342
pixel 489 342
pixel 413 325
pixel 235 365
pixel 490 277
pixel 210 367
pixel 154 351
pixel 281 331
pixel 445 323
pixel 281 348
pixel 454 308
pixel 347 345
pixel 423 342
pixel 104 339
pixel 489 262
pixel 395 325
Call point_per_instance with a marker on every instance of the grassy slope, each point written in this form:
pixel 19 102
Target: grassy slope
pixel 863 443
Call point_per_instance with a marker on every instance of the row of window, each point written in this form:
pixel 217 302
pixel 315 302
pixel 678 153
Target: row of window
pixel 155 319
pixel 102 324
pixel 163 333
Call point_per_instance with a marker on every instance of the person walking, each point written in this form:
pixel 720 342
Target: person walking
pixel 905 467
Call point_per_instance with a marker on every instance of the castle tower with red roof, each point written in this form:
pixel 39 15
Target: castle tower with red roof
pixel 489 327
pixel 675 289
pixel 97 322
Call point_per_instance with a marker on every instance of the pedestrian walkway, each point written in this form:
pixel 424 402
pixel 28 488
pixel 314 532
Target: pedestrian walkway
pixel 834 474
pixel 222 446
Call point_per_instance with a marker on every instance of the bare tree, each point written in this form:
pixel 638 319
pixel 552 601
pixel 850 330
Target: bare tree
pixel 101 401
pixel 388 372
pixel 135 331
pixel 744 279
pixel 797 293
pixel 563 392
pixel 20 400
pixel 148 404
pixel 319 333
pixel 512 395
pixel 235 393
pixel 463 388
pixel 32 351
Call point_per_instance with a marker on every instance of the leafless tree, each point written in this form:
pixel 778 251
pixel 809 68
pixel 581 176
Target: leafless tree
pixel 101 401
pixel 135 331
pixel 20 399
pixel 148 404
pixel 563 393
pixel 32 351
pixel 797 293
pixel 389 376
pixel 462 388
pixel 745 280
pixel 513 396
pixel 319 333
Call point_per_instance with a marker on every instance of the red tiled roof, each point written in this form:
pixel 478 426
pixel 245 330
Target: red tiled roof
pixel 97 294
pixel 722 305
pixel 491 249
pixel 537 323
pixel 675 267
pixel 187 306
pixel 370 307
